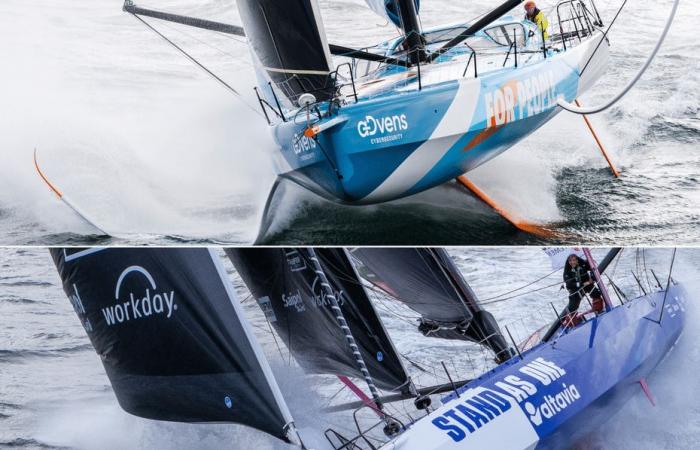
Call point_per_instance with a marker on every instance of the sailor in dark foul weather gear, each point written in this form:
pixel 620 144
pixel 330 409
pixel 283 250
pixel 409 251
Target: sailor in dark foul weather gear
pixel 536 16
pixel 578 281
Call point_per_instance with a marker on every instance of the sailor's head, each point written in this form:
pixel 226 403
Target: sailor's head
pixel 530 6
pixel 572 260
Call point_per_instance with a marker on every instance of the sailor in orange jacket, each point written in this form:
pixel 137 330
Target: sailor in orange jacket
pixel 534 15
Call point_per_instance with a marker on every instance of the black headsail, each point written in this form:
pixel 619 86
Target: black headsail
pixel 288 40
pixel 286 287
pixel 171 336
pixel 427 281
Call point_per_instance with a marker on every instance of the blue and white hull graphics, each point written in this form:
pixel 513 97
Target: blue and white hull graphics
pixel 560 391
pixel 398 140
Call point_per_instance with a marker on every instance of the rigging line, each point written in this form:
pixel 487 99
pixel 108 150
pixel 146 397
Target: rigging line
pixel 279 349
pixel 200 65
pixel 605 35
pixel 646 271
pixel 400 310
pixel 195 38
pixel 247 298
pixel 520 295
pixel 522 287
pixel 617 260
pixel 406 319
pixel 528 292
pixel 598 108
pixel 342 388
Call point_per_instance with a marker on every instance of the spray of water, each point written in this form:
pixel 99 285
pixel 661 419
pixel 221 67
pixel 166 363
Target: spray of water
pixel 134 135
pixel 101 423
pixel 673 422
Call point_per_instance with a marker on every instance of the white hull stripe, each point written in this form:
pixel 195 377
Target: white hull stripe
pixel 454 124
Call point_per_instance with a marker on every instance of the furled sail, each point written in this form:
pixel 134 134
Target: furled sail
pixel 288 290
pixel 427 281
pixel 289 42
pixel 389 9
pixel 171 336
pixel 404 14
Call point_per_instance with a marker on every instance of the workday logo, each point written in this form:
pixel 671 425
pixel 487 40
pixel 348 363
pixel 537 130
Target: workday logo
pixel 552 404
pixel 138 305
pixel 388 124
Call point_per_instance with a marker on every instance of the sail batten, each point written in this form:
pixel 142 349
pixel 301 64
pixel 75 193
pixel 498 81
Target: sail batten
pixel 172 337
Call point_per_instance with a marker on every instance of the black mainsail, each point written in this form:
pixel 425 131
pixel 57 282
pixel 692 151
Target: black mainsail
pixel 427 281
pixel 289 42
pixel 287 288
pixel 171 336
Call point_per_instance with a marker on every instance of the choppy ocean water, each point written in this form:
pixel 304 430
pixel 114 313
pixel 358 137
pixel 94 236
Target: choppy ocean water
pixel 54 392
pixel 157 152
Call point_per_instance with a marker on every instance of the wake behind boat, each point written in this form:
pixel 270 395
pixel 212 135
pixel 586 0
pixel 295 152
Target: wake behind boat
pixel 548 391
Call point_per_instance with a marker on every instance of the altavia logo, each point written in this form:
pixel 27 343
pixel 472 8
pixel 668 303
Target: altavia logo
pixel 139 305
pixel 388 124
pixel 552 405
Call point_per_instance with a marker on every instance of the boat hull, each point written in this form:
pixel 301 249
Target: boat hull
pixel 561 391
pixel 410 140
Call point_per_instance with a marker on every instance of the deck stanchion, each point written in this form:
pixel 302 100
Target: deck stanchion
pixel 668 285
pixel 616 289
pixel 513 341
pixel 544 45
pixel 639 282
pixel 420 85
pixel 555 311
pixel 515 43
pixel 449 377
pixel 658 283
